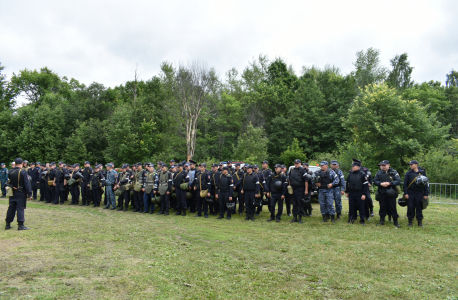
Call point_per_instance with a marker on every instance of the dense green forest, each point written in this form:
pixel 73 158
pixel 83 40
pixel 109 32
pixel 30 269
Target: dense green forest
pixel 266 111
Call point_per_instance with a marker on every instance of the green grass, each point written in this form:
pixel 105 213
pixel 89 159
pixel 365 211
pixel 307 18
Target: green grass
pixel 90 253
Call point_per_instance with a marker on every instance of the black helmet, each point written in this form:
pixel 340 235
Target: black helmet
pixel 124 181
pixel 67 176
pixel 257 202
pixel 402 202
pixel 230 205
pixel 78 175
pixel 391 193
pixel 209 199
pixel 278 185
pixel 421 180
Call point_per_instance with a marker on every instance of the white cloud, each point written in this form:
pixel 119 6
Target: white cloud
pixel 103 41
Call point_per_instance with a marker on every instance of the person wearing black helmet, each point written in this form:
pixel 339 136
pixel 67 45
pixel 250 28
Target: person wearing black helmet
pixel 387 179
pixel 18 181
pixel 225 189
pixel 250 190
pixel 236 177
pixel 59 183
pixel 86 194
pixel 416 190
pixel 34 173
pixel 75 187
pixel 263 191
pixel 180 178
pixel 276 191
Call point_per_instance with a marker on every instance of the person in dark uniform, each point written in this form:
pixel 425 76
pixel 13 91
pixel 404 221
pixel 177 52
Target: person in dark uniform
pixel 180 177
pixel 3 178
pixel 387 179
pixel 59 183
pixel 202 182
pixel 284 170
pixel 164 189
pixel 356 190
pixel 213 206
pixel 416 189
pixel 276 191
pixel 298 179
pixel 263 190
pixel 338 190
pixel 230 168
pixel 139 177
pixel 150 188
pixel 20 184
pixel 51 177
pixel 33 172
pixel 173 195
pixel 225 189
pixel 42 181
pixel 121 187
pixel 75 187
pixel 250 190
pixel 97 183
pixel 86 193
pixel 236 177
pixel 308 206
pixel 128 187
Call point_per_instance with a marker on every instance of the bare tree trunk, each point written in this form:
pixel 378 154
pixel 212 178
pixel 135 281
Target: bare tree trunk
pixel 135 84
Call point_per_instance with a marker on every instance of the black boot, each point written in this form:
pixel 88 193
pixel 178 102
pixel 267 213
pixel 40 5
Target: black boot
pixel 270 220
pixel 395 222
pixel 420 224
pixel 119 209
pixel 382 221
pixel 247 217
pixel 371 213
pixel 325 219
pixel 220 217
pixel 410 222
pixel 338 216
pixel 184 213
pixel 333 220
pixel 8 226
pixel 327 216
pixel 161 212
pixel 300 219
pixel 362 222
pixel 166 213
pixel 252 217
pixel 389 219
pixel 22 227
pixel 178 213
pixel 294 219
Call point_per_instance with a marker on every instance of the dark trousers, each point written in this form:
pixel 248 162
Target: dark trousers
pixel 3 182
pixel 201 203
pixel 58 194
pixel 259 208
pixel 240 200
pixel 181 200
pixel 288 203
pixel 105 201
pixel 387 207
pixel 165 204
pixel 75 191
pixel 248 197
pixel 415 205
pixel 121 201
pixel 16 207
pixel 52 191
pixel 86 194
pixel 355 202
pixel 126 197
pixel 298 205
pixel 34 189
pixel 276 198
pixel 223 198
pixel 147 203
pixel 138 199
pixel 192 201
pixel 43 190
pixel 96 196
pixel 213 206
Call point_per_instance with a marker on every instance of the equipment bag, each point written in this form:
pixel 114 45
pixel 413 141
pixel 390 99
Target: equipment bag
pixel 290 190
pixel 9 191
pixel 425 203
pixel 138 186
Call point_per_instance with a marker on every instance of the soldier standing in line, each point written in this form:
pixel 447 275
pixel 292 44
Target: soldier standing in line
pixel 276 187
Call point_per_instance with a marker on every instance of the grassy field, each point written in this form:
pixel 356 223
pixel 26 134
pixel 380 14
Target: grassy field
pixel 90 253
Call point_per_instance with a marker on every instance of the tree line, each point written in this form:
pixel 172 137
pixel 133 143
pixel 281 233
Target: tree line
pixel 266 111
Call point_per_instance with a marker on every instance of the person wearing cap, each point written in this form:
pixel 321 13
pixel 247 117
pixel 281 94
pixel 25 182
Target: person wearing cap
pixel 339 189
pixel 298 181
pixel 213 206
pixel 34 173
pixel 250 190
pixel 19 182
pixel 327 180
pixel 124 198
pixel 236 177
pixel 75 187
pixel 231 169
pixel 86 193
pixel 284 170
pixel 266 172
pixel 110 182
pixel 42 181
pixel 276 191
pixel 192 172
pixel 173 200
pixel 59 183
pixel 369 203
pixel 387 179
pixel 308 206
pixel 263 190
pixel 97 183
pixel 139 177
pixel 25 165
pixel 224 191
pixel 165 179
pixel 172 163
pixel 181 176
pixel 3 178
pixel 356 190
pixel 415 193
pixel 51 178
pixel 150 190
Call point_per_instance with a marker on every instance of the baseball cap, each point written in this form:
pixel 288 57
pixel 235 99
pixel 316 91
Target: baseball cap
pixel 324 163
pixel 413 162
pixel 384 162
pixel 297 161
pixel 277 166
pixel 18 161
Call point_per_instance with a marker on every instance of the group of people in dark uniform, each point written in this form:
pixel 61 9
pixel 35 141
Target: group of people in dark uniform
pixel 191 187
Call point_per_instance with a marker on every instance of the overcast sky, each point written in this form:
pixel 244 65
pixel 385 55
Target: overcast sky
pixel 103 41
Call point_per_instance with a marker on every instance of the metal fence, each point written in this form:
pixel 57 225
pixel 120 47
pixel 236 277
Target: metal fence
pixel 444 193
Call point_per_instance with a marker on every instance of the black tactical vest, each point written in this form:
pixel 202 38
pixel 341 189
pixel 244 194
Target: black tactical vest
pixel 275 178
pixel 225 183
pixel 325 178
pixel 296 178
pixel 354 182
pixel 249 182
